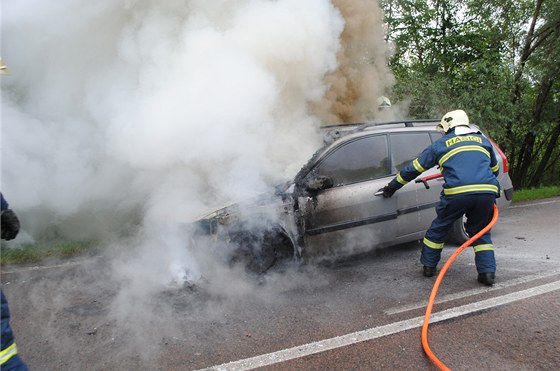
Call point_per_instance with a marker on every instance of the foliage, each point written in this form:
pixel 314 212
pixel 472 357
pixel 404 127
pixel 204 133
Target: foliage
pixel 497 60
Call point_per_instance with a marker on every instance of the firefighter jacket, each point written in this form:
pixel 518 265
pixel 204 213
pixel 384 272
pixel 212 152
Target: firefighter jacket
pixel 467 162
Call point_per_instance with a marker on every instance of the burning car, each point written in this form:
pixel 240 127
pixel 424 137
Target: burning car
pixel 329 208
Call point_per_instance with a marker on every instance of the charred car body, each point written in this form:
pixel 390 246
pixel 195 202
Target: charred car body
pixel 329 209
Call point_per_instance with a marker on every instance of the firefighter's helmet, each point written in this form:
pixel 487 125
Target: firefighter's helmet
pixel 453 119
pixel 383 102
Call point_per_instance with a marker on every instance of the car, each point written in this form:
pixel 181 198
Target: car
pixel 330 208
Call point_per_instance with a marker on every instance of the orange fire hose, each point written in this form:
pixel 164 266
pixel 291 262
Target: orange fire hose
pixel 439 278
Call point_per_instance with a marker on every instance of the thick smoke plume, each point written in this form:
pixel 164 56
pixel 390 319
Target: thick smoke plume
pixel 362 75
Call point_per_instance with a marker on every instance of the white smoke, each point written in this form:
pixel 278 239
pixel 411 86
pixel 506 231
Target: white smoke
pixel 161 108
pixel 159 104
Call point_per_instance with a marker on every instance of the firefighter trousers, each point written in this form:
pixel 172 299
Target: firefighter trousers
pixel 478 209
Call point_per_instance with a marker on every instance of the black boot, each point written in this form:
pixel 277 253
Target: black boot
pixel 429 271
pixel 486 278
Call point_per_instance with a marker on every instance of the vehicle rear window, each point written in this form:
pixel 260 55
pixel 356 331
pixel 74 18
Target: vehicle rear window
pixel 405 147
pixel 356 161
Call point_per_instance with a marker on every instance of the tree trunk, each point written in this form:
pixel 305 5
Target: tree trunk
pixel 524 161
pixel 552 143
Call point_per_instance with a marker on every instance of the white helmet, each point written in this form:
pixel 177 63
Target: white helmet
pixel 383 102
pixel 453 119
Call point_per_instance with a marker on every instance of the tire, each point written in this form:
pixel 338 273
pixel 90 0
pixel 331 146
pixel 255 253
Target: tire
pixel 262 256
pixel 259 252
pixel 458 234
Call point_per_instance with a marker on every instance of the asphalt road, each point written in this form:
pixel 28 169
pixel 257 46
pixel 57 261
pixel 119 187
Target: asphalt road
pixel 363 313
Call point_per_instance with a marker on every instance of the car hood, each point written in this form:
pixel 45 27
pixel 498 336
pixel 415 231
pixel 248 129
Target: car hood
pixel 262 203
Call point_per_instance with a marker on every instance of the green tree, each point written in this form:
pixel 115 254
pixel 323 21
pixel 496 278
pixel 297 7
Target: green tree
pixel 497 59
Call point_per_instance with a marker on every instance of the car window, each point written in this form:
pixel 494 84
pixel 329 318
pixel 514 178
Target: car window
pixel 405 147
pixel 436 135
pixel 356 161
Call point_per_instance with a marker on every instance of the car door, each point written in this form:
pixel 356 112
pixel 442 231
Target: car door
pixel 347 216
pixel 414 201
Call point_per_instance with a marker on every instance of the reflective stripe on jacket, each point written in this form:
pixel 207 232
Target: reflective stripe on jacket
pixel 467 162
pixel 8 353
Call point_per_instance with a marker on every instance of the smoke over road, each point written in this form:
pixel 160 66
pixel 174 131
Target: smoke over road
pixel 121 119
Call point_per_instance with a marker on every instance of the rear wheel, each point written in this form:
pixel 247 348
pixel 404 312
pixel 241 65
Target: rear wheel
pixel 458 233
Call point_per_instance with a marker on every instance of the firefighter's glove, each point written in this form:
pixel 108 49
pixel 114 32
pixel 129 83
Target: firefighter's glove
pixel 10 224
pixel 387 191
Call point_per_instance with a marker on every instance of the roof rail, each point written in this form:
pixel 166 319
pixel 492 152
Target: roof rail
pixel 363 125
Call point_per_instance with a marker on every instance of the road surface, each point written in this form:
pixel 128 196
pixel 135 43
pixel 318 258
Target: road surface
pixel 363 313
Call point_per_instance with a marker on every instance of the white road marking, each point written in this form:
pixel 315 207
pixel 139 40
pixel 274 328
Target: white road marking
pixel 381 331
pixel 478 290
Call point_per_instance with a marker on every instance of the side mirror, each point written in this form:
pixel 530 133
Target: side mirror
pixel 318 183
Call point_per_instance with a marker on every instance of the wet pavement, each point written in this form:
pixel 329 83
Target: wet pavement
pixel 74 316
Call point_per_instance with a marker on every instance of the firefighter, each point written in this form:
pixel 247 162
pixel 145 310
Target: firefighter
pixel 469 168
pixel 9 228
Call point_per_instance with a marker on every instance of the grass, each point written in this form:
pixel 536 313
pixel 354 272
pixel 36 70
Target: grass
pixel 33 253
pixel 66 249
pixel 536 193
